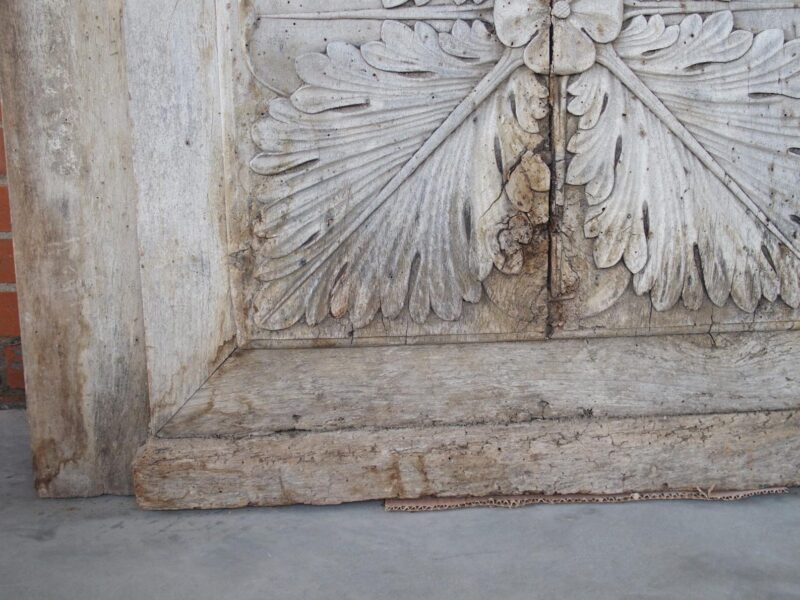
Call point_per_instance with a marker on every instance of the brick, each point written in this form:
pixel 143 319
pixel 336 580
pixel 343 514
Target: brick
pixel 2 155
pixel 15 374
pixel 9 315
pixel 5 209
pixel 7 274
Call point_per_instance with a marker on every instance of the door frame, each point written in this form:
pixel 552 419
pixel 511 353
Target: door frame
pixel 123 227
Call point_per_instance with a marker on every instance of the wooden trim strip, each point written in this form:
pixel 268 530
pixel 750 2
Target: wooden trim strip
pixel 261 392
pixel 573 456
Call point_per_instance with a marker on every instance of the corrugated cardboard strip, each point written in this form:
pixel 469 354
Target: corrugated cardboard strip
pixel 435 504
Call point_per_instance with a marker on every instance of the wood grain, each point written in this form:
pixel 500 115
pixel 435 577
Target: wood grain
pixel 629 260
pixel 173 68
pixel 514 308
pixel 73 195
pixel 264 391
pixel 572 456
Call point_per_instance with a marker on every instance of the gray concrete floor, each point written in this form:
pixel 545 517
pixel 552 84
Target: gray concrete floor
pixel 106 548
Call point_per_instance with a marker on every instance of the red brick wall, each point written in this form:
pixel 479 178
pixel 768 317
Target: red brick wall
pixel 12 384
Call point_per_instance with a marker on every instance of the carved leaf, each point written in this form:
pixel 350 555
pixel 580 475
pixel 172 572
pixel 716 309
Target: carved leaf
pixel 654 205
pixel 327 241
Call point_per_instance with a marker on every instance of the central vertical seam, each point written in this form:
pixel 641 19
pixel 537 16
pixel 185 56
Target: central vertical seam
pixel 552 227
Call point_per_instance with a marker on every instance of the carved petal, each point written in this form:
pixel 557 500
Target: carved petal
pixel 573 51
pixel 601 19
pixel 537 53
pixel 517 22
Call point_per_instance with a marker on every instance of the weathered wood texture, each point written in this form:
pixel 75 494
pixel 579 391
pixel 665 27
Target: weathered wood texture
pixel 653 233
pixel 65 100
pixel 741 451
pixel 673 207
pixel 440 221
pixel 259 392
pixel 173 68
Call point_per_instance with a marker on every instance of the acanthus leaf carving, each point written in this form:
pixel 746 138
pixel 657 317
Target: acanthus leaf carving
pixel 680 228
pixel 403 171
pixel 387 172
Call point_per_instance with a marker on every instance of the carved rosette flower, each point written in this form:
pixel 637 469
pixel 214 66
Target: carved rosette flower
pixel 576 26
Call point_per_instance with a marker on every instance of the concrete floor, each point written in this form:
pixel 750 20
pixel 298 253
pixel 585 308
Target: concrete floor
pixel 106 549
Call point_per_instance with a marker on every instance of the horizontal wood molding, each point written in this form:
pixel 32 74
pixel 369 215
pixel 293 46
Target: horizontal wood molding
pixel 258 392
pixel 569 456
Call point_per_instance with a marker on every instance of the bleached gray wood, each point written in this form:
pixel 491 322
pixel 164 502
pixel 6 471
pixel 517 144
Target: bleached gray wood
pixel 373 203
pixel 429 209
pixel 668 215
pixel 258 392
pixel 683 141
pixel 176 112
pixel 598 456
pixel 73 194
pixel 715 249
pixel 450 281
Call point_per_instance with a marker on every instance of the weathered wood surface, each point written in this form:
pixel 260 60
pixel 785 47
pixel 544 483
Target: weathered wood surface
pixel 458 294
pixel 73 194
pixel 174 73
pixel 259 392
pixel 678 211
pixel 387 183
pixel 419 206
pixel 673 193
pixel 725 451
pixel 587 302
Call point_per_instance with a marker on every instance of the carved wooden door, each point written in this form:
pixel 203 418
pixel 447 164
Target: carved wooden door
pixel 514 170
pixel 431 172
pixel 359 249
